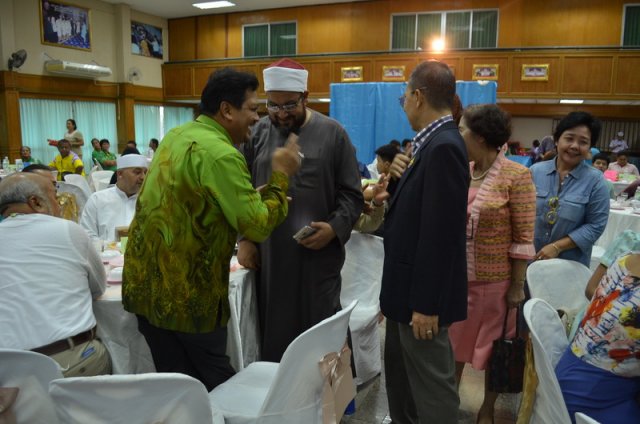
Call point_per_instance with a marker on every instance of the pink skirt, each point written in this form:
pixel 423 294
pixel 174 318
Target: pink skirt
pixel 472 339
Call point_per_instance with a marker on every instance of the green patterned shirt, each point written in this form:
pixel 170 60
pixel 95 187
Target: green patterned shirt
pixel 195 199
pixel 101 156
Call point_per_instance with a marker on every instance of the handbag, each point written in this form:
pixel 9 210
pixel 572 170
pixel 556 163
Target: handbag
pixel 506 366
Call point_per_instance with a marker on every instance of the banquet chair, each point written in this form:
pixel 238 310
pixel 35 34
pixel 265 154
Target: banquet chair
pixel 101 179
pixel 361 280
pixel 560 282
pixel 549 344
pixel 131 399
pixel 288 392
pixel 30 372
pixel 80 182
pixel 80 195
pixel 584 419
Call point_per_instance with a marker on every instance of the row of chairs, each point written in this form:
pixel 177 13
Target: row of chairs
pixel 264 392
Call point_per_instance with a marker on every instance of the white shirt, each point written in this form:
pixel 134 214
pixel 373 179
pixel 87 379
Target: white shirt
pixel 629 168
pixel 49 273
pixel 105 210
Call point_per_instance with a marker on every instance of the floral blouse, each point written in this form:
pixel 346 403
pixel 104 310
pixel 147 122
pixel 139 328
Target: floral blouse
pixel 609 334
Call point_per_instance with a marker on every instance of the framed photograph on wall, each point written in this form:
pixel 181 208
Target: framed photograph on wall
pixel 393 73
pixel 485 72
pixel 351 74
pixel 65 25
pixel 537 72
pixel 146 40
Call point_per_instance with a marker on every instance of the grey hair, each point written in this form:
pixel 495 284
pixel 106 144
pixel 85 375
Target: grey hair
pixel 19 191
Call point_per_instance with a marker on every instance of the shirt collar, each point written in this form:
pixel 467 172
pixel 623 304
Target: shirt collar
pixel 576 172
pixel 206 120
pixel 424 133
pixel 123 195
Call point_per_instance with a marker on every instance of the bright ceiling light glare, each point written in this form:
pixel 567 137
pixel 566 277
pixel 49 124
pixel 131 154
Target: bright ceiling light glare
pixel 571 101
pixel 213 4
pixel 437 45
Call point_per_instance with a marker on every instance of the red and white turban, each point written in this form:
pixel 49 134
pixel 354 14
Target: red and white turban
pixel 285 75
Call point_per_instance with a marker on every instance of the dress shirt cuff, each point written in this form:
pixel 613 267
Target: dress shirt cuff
pixel 522 251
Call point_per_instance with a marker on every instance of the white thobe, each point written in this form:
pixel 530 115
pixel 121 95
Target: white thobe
pixel 105 210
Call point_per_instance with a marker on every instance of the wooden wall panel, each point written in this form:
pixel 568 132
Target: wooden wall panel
pixel 558 110
pixel 591 75
pixel 503 69
pixel 627 76
pixel 319 77
pixel 552 86
pixel 409 65
pixel 182 39
pixel 367 68
pixel 177 81
pixel 211 39
pixel 200 78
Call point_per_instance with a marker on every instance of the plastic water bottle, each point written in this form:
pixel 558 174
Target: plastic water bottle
pixel 19 165
pixel 5 164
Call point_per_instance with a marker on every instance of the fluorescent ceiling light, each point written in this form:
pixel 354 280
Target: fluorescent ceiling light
pixel 571 101
pixel 213 4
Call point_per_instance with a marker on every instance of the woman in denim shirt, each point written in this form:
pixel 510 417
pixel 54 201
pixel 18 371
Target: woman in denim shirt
pixel 572 199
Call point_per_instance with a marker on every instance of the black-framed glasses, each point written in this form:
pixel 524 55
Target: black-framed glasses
pixel 552 214
pixel 287 107
pixel 403 98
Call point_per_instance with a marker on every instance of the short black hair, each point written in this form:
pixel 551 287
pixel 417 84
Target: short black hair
pixel 622 153
pixel 226 85
pixel 601 156
pixel 35 167
pixel 437 83
pixel 130 151
pixel 576 119
pixel 387 152
pixel 489 122
pixel 132 142
pixel 405 142
pixel 64 140
pixel 103 141
pixel 154 141
pixel 536 143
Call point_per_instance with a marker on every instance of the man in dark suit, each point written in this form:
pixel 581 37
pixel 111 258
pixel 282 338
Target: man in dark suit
pixel 424 282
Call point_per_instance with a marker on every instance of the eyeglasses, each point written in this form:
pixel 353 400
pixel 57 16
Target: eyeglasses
pixel 288 107
pixel 403 98
pixel 552 214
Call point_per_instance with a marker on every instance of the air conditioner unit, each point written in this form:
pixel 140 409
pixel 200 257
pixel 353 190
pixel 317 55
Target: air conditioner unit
pixel 82 70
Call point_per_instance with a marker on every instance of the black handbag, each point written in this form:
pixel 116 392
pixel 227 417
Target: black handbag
pixel 506 366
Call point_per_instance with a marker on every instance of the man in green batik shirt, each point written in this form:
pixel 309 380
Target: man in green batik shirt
pixel 105 158
pixel 195 199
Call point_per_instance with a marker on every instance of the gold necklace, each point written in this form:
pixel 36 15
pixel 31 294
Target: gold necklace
pixel 481 176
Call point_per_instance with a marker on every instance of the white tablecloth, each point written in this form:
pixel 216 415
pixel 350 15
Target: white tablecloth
pixel 129 351
pixel 619 220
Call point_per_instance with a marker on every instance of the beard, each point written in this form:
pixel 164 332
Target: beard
pixel 291 125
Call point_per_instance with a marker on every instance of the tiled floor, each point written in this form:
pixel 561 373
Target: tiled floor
pixel 372 408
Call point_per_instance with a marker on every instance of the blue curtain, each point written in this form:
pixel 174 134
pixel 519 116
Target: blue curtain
pixel 96 120
pixel 174 117
pixel 41 120
pixel 372 116
pixel 148 125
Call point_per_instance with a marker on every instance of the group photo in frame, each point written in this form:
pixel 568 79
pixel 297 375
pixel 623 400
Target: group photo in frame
pixel 351 74
pixel 146 40
pixel 65 25
pixel 536 72
pixel 393 73
pixel 485 72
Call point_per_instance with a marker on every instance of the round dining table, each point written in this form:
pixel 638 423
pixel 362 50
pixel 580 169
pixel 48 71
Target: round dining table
pixel 620 219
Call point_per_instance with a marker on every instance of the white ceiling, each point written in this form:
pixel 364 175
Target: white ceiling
pixel 182 8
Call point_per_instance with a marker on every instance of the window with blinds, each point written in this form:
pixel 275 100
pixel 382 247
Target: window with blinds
pixel 631 25
pixel 471 29
pixel 273 39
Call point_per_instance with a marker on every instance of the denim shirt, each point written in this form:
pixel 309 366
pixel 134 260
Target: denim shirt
pixel 583 208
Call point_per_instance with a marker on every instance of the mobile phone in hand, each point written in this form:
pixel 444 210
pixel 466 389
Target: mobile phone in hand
pixel 304 232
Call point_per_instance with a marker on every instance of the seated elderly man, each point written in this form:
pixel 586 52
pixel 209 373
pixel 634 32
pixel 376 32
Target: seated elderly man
pixel 50 273
pixel 114 207
pixel 67 162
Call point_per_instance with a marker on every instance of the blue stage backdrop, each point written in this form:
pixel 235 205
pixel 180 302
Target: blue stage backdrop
pixel 372 115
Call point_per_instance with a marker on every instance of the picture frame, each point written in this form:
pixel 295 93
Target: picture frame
pixel 65 25
pixel 146 40
pixel 535 72
pixel 351 74
pixel 393 73
pixel 485 72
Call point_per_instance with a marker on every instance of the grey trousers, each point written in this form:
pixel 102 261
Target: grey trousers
pixel 420 377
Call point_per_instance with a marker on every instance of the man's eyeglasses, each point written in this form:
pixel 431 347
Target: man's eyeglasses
pixel 403 98
pixel 287 107
pixel 552 214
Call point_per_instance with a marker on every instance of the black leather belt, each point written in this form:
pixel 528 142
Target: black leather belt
pixel 69 343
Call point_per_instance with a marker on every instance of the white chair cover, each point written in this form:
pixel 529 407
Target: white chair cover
pixel 596 254
pixel 584 419
pixel 80 182
pixel 560 282
pixel 243 345
pixel 361 280
pixel 31 372
pixel 124 399
pixel 289 392
pixel 81 195
pixel 101 179
pixel 549 344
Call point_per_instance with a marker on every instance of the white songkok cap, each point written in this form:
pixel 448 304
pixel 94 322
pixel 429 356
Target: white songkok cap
pixel 132 161
pixel 285 75
pixel 620 134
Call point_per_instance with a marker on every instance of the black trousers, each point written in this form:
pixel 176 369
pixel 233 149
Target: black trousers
pixel 199 355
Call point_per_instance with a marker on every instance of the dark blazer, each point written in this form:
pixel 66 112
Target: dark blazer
pixel 425 265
